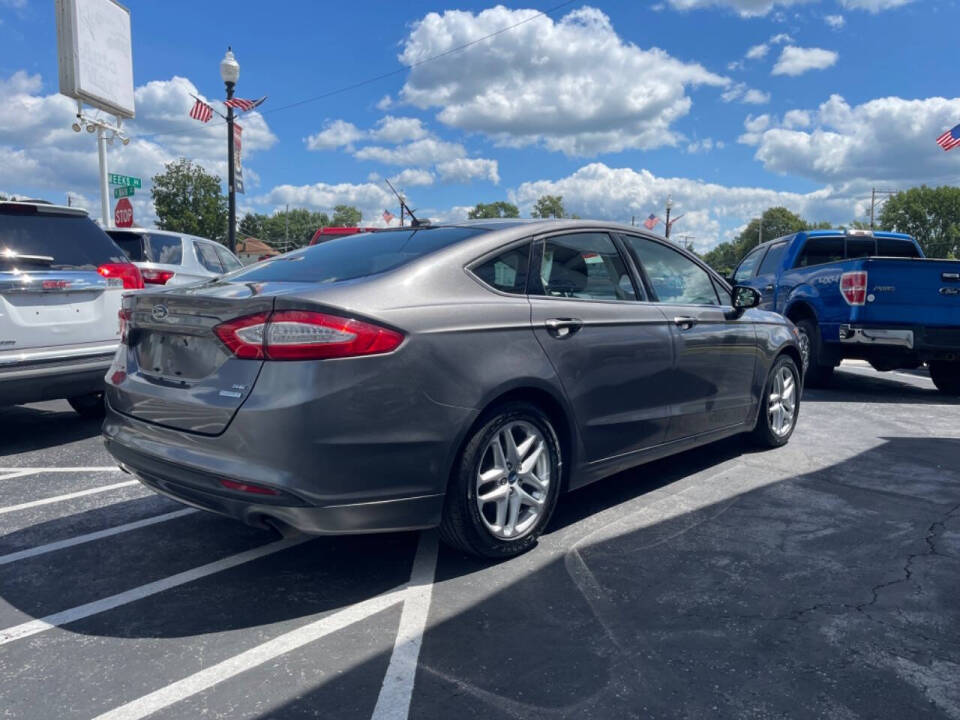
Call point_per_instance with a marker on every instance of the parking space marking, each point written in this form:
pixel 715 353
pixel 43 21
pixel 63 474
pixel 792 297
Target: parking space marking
pixel 393 703
pixel 19 471
pixel 90 537
pixel 138 593
pixel 68 496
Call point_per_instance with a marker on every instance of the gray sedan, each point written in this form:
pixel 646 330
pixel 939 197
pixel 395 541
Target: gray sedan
pixel 458 375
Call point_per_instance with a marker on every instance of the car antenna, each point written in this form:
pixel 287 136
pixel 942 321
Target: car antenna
pixel 405 208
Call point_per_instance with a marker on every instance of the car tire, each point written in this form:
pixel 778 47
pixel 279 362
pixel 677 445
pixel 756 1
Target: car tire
pixel 815 374
pixel 89 406
pixel 482 528
pixel 771 430
pixel 946 376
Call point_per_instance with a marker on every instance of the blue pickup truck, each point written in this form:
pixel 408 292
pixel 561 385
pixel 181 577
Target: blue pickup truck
pixel 862 294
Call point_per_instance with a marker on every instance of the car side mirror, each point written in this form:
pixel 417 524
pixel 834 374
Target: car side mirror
pixel 744 297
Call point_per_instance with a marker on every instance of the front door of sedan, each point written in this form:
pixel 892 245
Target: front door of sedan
pixel 611 351
pixel 716 351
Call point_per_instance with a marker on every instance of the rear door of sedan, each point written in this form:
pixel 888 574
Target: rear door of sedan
pixel 711 383
pixel 610 348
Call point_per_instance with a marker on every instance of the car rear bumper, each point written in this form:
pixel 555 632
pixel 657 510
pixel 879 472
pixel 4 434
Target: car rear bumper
pixel 33 376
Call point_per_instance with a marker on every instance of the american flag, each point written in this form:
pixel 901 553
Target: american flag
pixel 201 111
pixel 651 222
pixel 244 105
pixel 388 216
pixel 950 139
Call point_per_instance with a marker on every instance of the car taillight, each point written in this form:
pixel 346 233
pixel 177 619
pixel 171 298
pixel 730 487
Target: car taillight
pixel 123 315
pixel 304 335
pixel 127 273
pixel 155 277
pixel 853 287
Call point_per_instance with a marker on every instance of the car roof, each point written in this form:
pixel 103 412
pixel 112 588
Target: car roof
pixel 837 233
pixel 42 206
pixel 156 231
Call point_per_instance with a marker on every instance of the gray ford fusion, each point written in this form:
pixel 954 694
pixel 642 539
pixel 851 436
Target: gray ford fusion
pixel 461 376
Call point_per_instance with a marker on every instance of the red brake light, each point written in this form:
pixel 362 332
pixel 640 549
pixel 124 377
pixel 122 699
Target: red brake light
pixel 853 287
pixel 305 335
pixel 156 277
pixel 127 273
pixel 124 315
pixel 247 488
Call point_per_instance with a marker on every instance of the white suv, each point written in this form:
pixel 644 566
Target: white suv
pixel 61 282
pixel 172 258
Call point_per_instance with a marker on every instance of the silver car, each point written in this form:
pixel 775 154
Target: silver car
pixel 459 375
pixel 172 258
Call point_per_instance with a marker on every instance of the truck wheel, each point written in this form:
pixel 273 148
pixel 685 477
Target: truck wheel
pixel 505 484
pixel 780 404
pixel 88 406
pixel 814 373
pixel 946 376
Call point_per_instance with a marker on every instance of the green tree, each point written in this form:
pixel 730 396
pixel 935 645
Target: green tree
pixel 499 209
pixel 548 206
pixel 345 216
pixel 251 225
pixel 775 222
pixel 285 228
pixel 188 199
pixel 931 215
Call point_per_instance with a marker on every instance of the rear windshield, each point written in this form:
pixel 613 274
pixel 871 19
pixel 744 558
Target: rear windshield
pixel 151 247
pixel 73 242
pixel 890 247
pixel 354 256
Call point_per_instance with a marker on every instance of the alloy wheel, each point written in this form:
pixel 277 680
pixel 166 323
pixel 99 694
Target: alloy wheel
pixel 513 480
pixel 782 402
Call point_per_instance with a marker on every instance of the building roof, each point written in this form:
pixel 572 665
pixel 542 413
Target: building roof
pixel 252 246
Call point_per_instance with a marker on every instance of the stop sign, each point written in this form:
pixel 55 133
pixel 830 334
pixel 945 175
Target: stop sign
pixel 123 214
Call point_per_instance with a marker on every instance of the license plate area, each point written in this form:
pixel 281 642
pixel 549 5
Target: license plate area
pixel 177 357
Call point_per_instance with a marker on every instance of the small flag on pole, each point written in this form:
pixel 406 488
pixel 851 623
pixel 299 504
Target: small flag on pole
pixel 388 216
pixel 651 222
pixel 201 111
pixel 244 105
pixel 950 139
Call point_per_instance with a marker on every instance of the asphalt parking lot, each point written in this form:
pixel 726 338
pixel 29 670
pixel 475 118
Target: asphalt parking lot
pixel 818 580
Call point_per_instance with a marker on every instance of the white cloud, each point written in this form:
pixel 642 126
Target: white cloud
pixel 887 139
pixel 874 6
pixel 705 145
pixel 422 153
pixel 756 97
pixel 755 8
pixel 398 129
pixel 369 198
pixel 410 177
pixel 335 134
pixel 757 52
pixel 748 96
pixel 835 21
pixel 464 170
pixel 797 60
pixel 781 39
pixel 572 85
pixel 712 211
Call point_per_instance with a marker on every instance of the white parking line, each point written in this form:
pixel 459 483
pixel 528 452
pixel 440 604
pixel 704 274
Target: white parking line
pixel 255 656
pixel 90 537
pixel 138 593
pixel 33 470
pixel 393 703
pixel 68 496
pixel 397 686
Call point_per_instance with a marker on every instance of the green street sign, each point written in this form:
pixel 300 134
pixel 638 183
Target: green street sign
pixel 125 181
pixel 123 192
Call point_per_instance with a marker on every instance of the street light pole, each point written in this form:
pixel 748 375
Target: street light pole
pixel 230 73
pixel 667 224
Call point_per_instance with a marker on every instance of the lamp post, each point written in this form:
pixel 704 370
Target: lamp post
pixel 667 224
pixel 230 72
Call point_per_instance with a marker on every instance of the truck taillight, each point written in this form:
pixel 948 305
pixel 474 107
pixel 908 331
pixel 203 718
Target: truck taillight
pixel 304 335
pixel 853 287
pixel 127 273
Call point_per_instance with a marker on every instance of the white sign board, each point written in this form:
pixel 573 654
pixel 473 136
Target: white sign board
pixel 96 56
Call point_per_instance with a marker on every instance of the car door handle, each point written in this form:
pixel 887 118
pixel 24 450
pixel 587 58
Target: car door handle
pixel 684 322
pixel 563 327
pixel 768 288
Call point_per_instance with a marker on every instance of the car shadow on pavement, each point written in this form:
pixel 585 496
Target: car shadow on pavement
pixel 854 387
pixel 39 427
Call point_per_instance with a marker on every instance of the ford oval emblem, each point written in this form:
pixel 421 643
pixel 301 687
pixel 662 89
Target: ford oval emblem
pixel 159 312
pixel 949 291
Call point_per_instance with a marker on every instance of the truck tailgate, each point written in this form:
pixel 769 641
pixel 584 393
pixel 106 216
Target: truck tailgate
pixel 911 291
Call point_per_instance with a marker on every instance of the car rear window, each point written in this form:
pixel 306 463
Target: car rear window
pixel 73 241
pixel 152 247
pixel 355 256
pixel 893 247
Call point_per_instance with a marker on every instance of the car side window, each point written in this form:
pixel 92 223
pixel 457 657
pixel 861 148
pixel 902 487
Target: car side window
pixel 507 272
pixel 208 257
pixel 748 265
pixel 675 278
pixel 820 250
pixel 773 258
pixel 584 265
pixel 229 262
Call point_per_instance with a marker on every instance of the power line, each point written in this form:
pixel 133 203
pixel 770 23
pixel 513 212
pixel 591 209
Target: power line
pixel 377 78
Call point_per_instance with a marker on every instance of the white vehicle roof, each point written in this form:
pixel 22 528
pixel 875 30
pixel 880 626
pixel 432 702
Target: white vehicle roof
pixel 43 206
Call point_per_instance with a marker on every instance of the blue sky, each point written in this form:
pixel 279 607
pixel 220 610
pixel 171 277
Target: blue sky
pixel 611 104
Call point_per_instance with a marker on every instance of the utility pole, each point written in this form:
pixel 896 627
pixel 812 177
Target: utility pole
pixel 873 202
pixel 101 128
pixel 667 223
pixel 286 229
